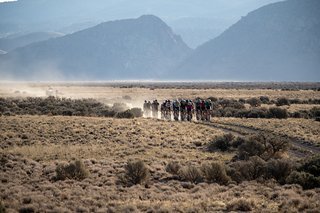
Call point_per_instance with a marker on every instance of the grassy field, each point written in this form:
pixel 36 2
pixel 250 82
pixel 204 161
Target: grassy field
pixel 304 129
pixel 33 147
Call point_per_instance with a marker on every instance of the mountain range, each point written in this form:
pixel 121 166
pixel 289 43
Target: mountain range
pixel 277 42
pixel 280 41
pixel 125 49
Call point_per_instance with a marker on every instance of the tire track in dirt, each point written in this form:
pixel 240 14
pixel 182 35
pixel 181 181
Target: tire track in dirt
pixel 299 148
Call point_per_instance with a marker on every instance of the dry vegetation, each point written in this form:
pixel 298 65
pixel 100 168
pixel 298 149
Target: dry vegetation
pixel 97 164
pixel 305 129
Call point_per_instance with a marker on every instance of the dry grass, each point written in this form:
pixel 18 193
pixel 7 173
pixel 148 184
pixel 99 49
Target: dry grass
pixel 111 95
pixel 31 148
pixel 308 130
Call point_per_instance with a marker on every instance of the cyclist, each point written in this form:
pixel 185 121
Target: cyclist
pixel 190 109
pixel 183 108
pixel 208 105
pixel 155 108
pixel 176 109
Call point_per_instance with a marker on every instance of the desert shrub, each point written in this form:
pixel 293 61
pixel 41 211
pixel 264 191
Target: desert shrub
pixel 222 143
pixel 254 102
pixel 311 166
pixel 241 100
pixel 282 101
pixel 119 107
pixel 238 141
pixel 173 167
pixel 264 99
pixel 2 208
pixel 125 114
pixel 251 169
pixel 276 112
pixel 137 112
pixel 252 146
pixel 279 169
pixel 304 179
pixel 230 103
pixel 190 173
pixel 136 172
pixel 75 170
pixel 241 205
pixel 276 145
pixel 257 113
pixel 315 112
pixel 215 173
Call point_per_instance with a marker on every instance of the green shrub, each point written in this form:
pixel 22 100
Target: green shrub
pixel 136 172
pixel 279 169
pixel 137 112
pixel 252 169
pixel 254 102
pixel 191 174
pixel 75 170
pixel 276 112
pixel 252 146
pixel 173 167
pixel 126 114
pixel 304 179
pixel 282 101
pixel 222 143
pixel 311 166
pixel 264 99
pixel 215 173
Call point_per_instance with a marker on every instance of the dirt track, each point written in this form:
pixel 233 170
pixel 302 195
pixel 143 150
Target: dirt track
pixel 299 148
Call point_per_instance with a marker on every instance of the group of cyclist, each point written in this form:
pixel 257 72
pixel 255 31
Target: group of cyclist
pixel 183 109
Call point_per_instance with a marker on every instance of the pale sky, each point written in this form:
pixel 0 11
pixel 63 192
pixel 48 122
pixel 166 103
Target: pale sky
pixel 6 0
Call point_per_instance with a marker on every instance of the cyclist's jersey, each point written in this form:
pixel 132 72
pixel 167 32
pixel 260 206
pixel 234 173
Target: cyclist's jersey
pixel 189 107
pixel 208 104
pixel 202 105
pixel 168 105
pixel 155 106
pixel 176 105
pixel 197 105
pixel 182 106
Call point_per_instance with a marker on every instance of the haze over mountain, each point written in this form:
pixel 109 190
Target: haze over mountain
pixel 280 41
pixel 127 49
pixel 12 42
pixel 196 21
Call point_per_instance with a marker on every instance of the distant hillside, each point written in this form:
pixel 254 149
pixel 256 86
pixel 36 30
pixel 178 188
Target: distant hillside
pixel 127 49
pixel 10 43
pixel 195 21
pixel 280 41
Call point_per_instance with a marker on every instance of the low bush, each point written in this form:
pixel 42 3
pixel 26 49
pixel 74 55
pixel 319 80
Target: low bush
pixel 215 173
pixel 254 102
pixel 311 165
pixel 136 172
pixel 241 205
pixel 251 169
pixel 191 174
pixel 252 146
pixel 126 114
pixel 265 99
pixel 173 167
pixel 276 112
pixel 137 112
pixel 75 170
pixel 279 169
pixel 282 101
pixel 304 179
pixel 222 143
